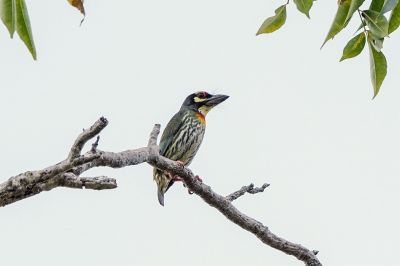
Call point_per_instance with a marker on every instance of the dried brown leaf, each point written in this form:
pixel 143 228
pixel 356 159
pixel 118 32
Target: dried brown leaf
pixel 79 5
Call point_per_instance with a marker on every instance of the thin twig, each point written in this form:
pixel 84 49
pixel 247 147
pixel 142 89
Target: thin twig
pixel 86 135
pixel 362 20
pixel 249 189
pixel 95 144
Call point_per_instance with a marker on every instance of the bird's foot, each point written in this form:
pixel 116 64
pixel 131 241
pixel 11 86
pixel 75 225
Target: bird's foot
pixel 180 163
pixel 198 179
pixel 177 178
pixel 189 191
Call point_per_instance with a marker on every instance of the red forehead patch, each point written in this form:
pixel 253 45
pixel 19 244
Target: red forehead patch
pixel 202 94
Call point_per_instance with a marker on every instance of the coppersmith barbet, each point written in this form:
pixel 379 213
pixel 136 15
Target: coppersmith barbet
pixel 183 135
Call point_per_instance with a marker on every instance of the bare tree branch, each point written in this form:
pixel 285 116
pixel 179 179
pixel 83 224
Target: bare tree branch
pixel 249 189
pixel 67 174
pixel 226 207
pixel 33 182
pixel 70 180
pixel 154 135
pixel 97 183
pixel 86 135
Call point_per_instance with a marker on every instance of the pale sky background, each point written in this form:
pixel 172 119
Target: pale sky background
pixel 297 119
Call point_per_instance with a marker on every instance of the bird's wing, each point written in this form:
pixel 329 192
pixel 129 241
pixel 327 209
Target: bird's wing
pixel 170 131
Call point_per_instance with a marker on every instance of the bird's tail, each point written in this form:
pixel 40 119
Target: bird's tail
pixel 163 184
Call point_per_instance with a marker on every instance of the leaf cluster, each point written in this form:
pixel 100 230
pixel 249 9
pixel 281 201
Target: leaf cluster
pixel 376 25
pixel 15 17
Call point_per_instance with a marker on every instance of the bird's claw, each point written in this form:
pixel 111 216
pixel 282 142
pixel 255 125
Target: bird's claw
pixel 180 163
pixel 177 178
pixel 198 179
pixel 189 191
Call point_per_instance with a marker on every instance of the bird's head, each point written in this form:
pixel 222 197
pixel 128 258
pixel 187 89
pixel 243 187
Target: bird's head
pixel 203 102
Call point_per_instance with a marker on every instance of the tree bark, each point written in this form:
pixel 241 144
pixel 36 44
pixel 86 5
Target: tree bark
pixel 67 174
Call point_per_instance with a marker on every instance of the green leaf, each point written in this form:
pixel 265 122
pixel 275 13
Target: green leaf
pixel 304 6
pixel 378 67
pixel 377 23
pixel 355 4
pixel 376 5
pixel 394 20
pixel 377 43
pixel 354 47
pixel 7 14
pixel 389 5
pixel 273 23
pixel 23 26
pixel 339 21
pixel 362 25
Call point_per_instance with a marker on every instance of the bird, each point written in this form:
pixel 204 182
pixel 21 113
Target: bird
pixel 183 135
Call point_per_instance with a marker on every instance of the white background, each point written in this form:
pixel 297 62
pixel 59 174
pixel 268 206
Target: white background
pixel 297 119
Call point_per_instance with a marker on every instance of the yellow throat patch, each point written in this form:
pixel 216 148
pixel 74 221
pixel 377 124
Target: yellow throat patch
pixel 204 110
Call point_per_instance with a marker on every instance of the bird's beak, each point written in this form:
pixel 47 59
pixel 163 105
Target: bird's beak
pixel 215 100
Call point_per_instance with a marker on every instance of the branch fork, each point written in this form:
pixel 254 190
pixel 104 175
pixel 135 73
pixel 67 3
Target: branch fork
pixel 67 174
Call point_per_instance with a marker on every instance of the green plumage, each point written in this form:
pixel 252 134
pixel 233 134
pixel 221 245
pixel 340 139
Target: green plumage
pixel 183 135
pixel 180 141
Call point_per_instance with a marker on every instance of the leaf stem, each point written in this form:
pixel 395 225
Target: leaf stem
pixel 362 20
